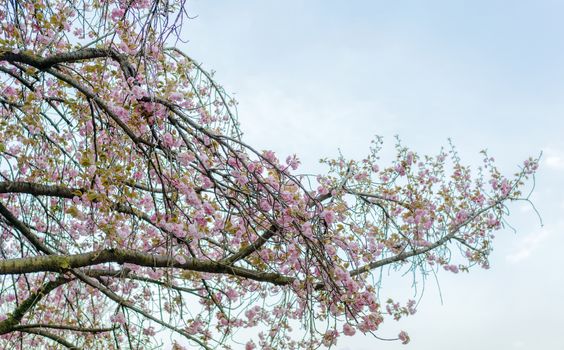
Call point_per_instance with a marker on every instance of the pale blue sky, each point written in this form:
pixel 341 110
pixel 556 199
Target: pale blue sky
pixel 313 77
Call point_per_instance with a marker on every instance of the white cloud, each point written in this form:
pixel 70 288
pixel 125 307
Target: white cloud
pixel 528 245
pixel 313 124
pixel 518 344
pixel 554 159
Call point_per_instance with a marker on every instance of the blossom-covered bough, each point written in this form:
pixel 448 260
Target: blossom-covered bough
pixel 130 205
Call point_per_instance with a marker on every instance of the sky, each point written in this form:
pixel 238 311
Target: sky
pixel 318 77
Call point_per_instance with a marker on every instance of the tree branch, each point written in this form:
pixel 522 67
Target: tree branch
pixel 251 248
pixel 64 327
pixel 39 190
pixel 51 336
pixel 60 263
pixel 16 316
pixel 43 63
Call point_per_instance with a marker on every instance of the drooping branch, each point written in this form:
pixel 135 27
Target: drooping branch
pixel 47 65
pixel 52 336
pixel 402 256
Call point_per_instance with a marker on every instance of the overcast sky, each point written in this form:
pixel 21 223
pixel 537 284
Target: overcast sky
pixel 313 77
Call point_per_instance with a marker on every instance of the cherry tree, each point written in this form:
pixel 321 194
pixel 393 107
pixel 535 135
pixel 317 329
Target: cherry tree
pixel 130 206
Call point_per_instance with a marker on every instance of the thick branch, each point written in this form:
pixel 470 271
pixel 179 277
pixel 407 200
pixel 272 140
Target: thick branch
pixel 61 192
pixel 65 327
pixel 67 57
pixel 59 263
pixel 38 190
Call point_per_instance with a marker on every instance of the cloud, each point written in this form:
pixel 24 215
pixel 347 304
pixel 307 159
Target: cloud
pixel 554 159
pixel 528 245
pixel 313 124
pixel 518 344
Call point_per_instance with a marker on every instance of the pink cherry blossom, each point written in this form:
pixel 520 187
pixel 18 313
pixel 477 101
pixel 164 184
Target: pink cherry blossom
pixel 403 337
pixel 132 204
pixel 348 330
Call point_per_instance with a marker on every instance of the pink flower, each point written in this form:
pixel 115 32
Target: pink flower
pixel 404 337
pixel 409 158
pixel 348 330
pixel 293 161
pixel 117 14
pixel 322 190
pixel 328 216
pixel 331 251
pixel 505 187
pixel 123 232
pixel 168 140
pixel 250 345
pixel 208 208
pixel 330 338
pixel 252 313
pixel 155 273
pixel 461 216
pixel 307 230
pixel 176 96
pixel 251 167
pixel 10 91
pixel 118 318
pixel 264 205
pixel 411 307
pixel 180 259
pixel 361 176
pixel 231 294
pixel 492 222
pixel 270 156
pixel 138 92
pixel 150 331
pixel 400 170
